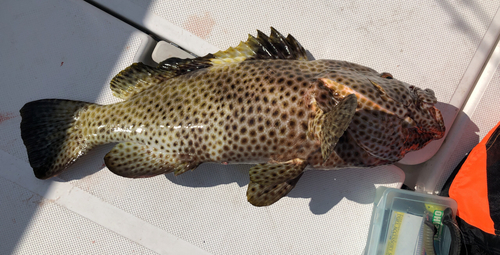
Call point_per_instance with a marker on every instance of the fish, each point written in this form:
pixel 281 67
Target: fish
pixel 263 102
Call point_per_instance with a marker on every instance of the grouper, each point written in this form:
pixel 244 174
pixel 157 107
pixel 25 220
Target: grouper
pixel 262 102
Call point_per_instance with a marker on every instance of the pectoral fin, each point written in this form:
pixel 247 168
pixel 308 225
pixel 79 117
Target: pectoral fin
pixel 139 161
pixel 270 182
pixel 335 122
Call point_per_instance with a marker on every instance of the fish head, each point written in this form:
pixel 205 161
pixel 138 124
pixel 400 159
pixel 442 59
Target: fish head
pixel 428 119
pixel 418 105
pixel 409 114
pixel 392 117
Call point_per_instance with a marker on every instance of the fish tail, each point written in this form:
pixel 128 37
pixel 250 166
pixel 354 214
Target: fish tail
pixel 49 133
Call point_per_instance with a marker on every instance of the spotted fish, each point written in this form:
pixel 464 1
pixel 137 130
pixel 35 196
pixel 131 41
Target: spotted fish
pixel 261 102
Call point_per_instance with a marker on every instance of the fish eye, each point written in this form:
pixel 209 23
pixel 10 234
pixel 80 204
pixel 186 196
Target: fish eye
pixel 386 75
pixel 430 92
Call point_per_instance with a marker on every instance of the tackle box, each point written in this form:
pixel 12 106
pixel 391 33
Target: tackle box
pixel 399 221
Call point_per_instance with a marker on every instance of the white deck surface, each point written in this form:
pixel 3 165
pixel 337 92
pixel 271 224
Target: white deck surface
pixel 71 50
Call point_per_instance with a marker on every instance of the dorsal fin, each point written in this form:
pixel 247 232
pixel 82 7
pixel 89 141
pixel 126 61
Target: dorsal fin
pixel 275 46
pixel 179 66
pixel 138 76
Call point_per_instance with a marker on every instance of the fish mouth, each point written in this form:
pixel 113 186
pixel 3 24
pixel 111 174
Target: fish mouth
pixel 436 115
pixel 425 100
pixel 433 112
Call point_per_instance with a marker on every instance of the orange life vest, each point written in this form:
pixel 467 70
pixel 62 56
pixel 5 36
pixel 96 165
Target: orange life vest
pixel 478 182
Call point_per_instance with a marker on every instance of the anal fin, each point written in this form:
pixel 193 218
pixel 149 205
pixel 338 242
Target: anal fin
pixel 270 182
pixel 138 161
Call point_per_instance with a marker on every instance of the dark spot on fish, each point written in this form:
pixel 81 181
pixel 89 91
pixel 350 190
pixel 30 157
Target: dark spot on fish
pixel 303 137
pixel 277 123
pixel 251 121
pixel 282 130
pixel 300 113
pixel 303 125
pixel 268 123
pixel 262 138
pixel 252 133
pixel 284 116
